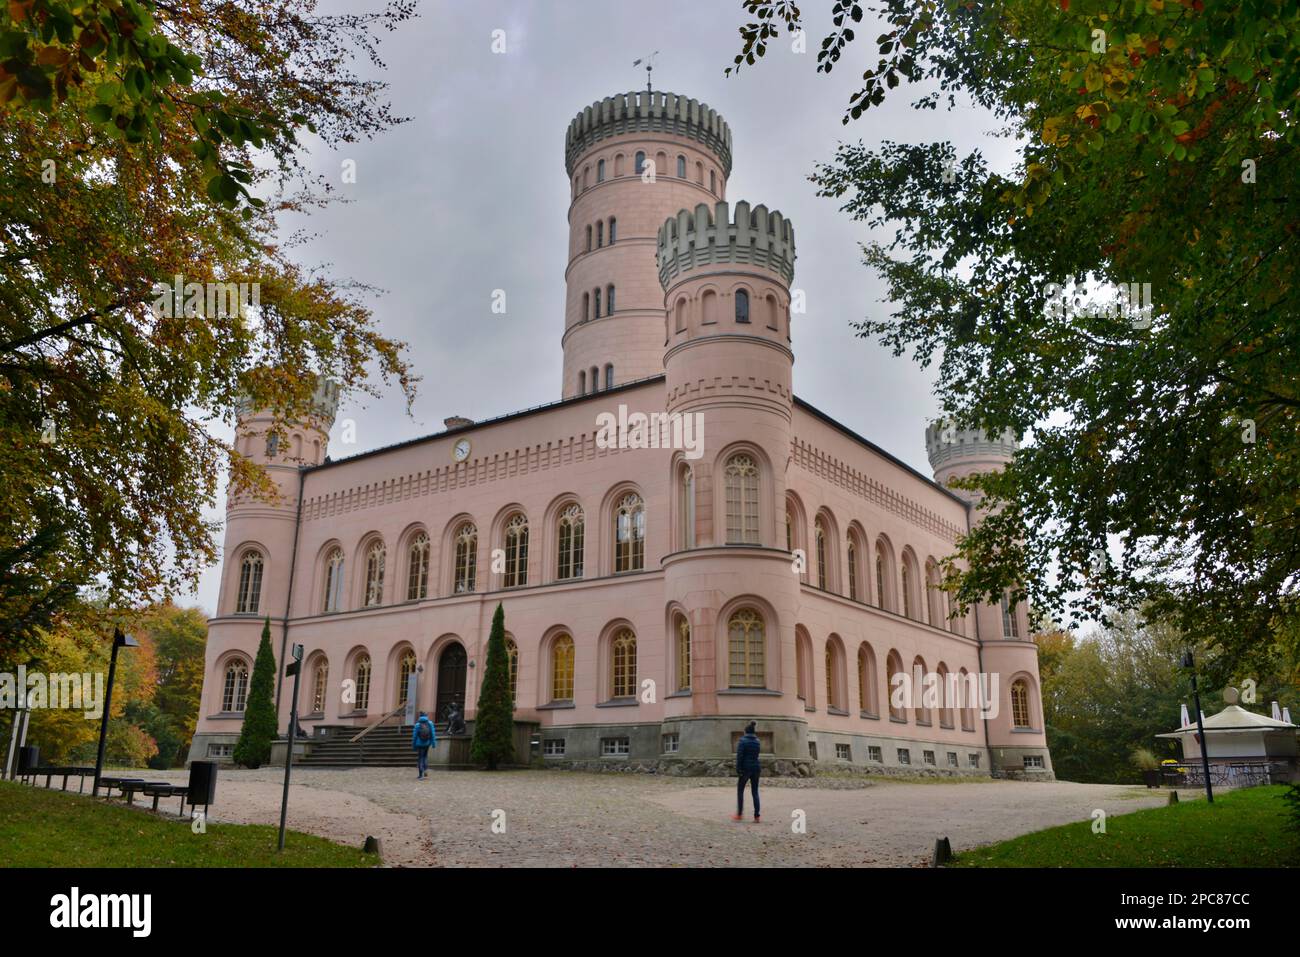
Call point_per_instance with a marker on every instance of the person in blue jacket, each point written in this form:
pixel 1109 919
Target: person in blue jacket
pixel 747 768
pixel 423 737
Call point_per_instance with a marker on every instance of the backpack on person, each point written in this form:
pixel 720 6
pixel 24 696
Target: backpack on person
pixel 422 733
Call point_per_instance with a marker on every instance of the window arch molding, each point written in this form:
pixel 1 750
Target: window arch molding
pixel 231 697
pixel 500 528
pixel 936 599
pixel 910 590
pixel 546 676
pixel 922 712
pixel 894 666
pixel 1031 703
pixel 447 553
pixel 321 592
pixel 798 524
pixel 603 536
pixel 967 700
pixel 316 695
pixel 683 503
pixel 885 577
pixel 834 544
pixel 805 669
pixel 619 664
pixel 767 518
pixel 857 562
pixel 392 695
pixel 868 681
pixel 234 576
pixel 360 576
pixel 947 708
pixel 678 664
pixel 835 674
pixel 743 299
pixel 773 673
pixel 550 539
pixel 352 663
pixel 408 574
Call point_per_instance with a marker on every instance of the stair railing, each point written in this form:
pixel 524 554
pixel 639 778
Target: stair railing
pixel 376 723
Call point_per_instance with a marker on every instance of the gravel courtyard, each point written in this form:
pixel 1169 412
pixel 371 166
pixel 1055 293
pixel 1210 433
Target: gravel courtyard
pixel 571 819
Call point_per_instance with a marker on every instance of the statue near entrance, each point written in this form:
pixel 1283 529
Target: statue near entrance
pixel 455 720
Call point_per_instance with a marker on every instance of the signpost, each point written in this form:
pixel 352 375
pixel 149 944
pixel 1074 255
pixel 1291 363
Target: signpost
pixel 294 668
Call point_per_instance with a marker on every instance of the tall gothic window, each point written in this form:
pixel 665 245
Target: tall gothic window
pixel 832 685
pixel 820 533
pixel 362 702
pixel 512 661
pixel 629 534
pixel 1020 703
pixel 250 583
pixel 595 298
pixel 319 684
pixel 375 574
pixel 570 540
pixel 640 162
pixel 789 530
pixel 681 167
pixel 600 171
pixel 683 655
pixel 623 661
pixel 893 667
pixel 1010 620
pixel 404 672
pixel 687 510
pixel 466 557
pixel 588 242
pixel 600 233
pixel 516 551
pixel 562 669
pixel 334 580
pixel 853 570
pixel 907 588
pixel 609 307
pixel 613 230
pixel 417 578
pixel 609 368
pixel 880 575
pixel 742 500
pixel 742 306
pixel 745 643
pixel 234 693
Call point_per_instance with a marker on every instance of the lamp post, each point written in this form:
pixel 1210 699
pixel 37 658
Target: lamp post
pixel 293 668
pixel 1190 663
pixel 120 640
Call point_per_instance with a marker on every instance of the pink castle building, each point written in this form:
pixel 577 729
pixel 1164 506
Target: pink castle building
pixel 679 543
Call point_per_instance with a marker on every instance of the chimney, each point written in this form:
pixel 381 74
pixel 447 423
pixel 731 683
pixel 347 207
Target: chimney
pixel 1277 712
pixel 456 422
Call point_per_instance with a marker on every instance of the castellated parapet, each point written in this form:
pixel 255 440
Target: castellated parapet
pixel 948 445
pixel 646 112
pixel 324 402
pixel 754 237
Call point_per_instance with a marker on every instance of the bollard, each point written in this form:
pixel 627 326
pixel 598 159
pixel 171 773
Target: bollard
pixel 373 846
pixel 942 852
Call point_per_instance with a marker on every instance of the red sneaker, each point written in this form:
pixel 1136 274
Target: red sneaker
pixel 737 817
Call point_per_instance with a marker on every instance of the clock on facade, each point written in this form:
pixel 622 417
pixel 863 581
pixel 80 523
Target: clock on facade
pixel 461 450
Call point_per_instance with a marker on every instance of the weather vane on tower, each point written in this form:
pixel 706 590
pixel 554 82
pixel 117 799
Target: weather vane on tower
pixel 649 62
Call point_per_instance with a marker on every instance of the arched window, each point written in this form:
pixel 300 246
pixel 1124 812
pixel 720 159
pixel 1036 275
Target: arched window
pixel 609 300
pixel 362 700
pixel 562 669
pixel 640 162
pixel 417 575
pixel 466 558
pixel 250 583
pixel 1010 620
pixel 681 316
pixel 820 533
pixel 741 477
pixel 880 575
pixel 588 237
pixel 936 597
pixel 746 650
pixel 921 693
pixel 789 530
pixel 272 444
pixel 600 171
pixel 594 377
pixel 907 588
pixel 867 680
pixel 1020 704
pixel 570 536
pixel 713 181
pixel 699 173
pixel 683 655
pixel 802 679
pixel 681 167
pixel 966 700
pixel 687 510
pixel 319 684
pixel 832 678
pixel 945 699
pixel 895 686
pixel 405 669
pixel 629 534
pixel 623 661
pixel 609 368
pixel 334 580
pixel 742 306
pixel 516 551
pixel 582 379
pixel 600 233
pixel 234 694
pixel 586 306
pixel 613 230
pixel 595 298
pixel 375 574
pixel 853 570
pixel 512 663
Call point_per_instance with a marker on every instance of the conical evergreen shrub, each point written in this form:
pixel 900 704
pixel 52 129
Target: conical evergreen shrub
pixel 494 722
pixel 254 746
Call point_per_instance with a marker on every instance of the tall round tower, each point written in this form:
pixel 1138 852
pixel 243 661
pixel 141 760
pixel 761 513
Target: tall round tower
pixel 633 160
pixel 726 296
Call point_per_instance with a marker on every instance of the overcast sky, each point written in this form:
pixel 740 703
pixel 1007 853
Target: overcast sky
pixel 471 195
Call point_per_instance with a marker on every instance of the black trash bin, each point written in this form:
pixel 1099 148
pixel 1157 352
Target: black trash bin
pixel 29 759
pixel 203 784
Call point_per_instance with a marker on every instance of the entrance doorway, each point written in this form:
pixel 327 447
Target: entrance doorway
pixel 451 680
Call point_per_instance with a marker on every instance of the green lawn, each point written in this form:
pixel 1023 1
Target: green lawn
pixel 1244 828
pixel 40 828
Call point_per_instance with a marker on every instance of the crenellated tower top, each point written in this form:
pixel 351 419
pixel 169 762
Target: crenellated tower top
pixel 753 237
pixel 646 112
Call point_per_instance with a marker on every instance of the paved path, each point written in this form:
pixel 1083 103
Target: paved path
pixel 563 819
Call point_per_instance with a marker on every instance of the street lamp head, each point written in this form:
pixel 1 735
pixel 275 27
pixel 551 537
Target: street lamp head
pixel 123 640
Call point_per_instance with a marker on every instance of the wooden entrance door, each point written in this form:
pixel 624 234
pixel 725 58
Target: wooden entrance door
pixel 451 680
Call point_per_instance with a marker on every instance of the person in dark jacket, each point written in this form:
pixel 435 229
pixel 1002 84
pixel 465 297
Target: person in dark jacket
pixel 747 768
pixel 423 737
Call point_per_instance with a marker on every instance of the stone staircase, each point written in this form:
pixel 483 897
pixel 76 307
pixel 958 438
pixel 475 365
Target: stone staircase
pixel 384 747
